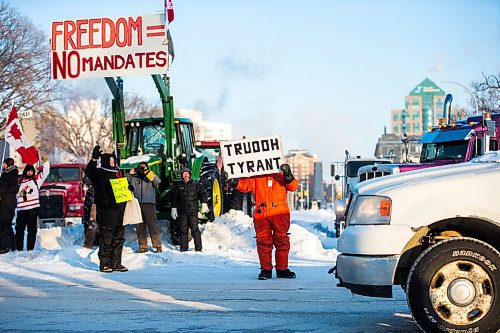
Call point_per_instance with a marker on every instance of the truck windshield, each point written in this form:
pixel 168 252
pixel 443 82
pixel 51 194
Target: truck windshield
pixel 453 150
pixel 352 167
pixel 152 140
pixel 212 153
pixel 63 174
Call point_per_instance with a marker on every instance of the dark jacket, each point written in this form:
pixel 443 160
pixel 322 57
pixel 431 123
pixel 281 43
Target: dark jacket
pixel 185 196
pixel 103 192
pixel 9 186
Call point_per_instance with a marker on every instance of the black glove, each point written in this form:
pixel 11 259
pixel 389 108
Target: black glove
pixel 96 152
pixel 287 173
pixel 131 188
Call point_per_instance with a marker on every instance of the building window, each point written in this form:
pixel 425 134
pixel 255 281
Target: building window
pixel 415 116
pixel 395 117
pixel 416 127
pixel 395 129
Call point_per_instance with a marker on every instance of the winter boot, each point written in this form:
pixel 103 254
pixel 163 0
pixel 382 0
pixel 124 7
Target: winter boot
pixel 157 250
pixel 265 274
pixel 285 274
pixel 142 250
pixel 120 268
pixel 105 269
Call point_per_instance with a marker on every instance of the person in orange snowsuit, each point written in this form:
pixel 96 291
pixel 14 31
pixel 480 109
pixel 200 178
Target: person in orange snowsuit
pixel 271 218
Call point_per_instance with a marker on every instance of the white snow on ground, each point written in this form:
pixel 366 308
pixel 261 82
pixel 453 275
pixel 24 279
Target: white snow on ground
pixel 58 288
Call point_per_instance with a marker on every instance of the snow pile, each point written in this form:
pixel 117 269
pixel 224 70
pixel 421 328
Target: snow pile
pixel 229 240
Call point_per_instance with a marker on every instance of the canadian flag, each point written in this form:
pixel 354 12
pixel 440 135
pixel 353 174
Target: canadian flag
pixel 16 139
pixel 169 7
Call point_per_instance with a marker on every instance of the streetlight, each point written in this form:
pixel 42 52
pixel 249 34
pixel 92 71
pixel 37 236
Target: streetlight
pixel 466 89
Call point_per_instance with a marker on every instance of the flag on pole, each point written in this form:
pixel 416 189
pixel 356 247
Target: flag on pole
pixel 169 9
pixel 169 17
pixel 16 138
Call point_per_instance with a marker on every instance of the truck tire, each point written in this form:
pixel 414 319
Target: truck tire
pixel 210 183
pixel 453 286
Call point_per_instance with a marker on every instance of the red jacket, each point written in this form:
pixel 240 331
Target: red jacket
pixel 269 189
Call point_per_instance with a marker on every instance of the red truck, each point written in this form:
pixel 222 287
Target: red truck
pixel 62 196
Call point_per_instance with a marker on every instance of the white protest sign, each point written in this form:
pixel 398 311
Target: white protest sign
pixel 101 47
pixel 252 157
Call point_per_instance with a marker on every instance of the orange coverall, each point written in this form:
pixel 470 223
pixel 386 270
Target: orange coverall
pixel 271 217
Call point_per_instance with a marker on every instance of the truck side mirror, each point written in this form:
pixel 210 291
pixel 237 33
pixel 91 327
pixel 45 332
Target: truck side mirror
pixel 337 177
pixel 332 170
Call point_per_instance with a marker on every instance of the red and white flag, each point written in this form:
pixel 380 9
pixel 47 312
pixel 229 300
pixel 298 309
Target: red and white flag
pixel 169 9
pixel 16 138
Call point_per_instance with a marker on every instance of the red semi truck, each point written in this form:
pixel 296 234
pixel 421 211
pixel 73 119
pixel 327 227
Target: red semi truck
pixel 62 196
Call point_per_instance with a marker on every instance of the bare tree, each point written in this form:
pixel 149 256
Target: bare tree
pixel 24 65
pixel 488 93
pixel 79 122
pixel 138 107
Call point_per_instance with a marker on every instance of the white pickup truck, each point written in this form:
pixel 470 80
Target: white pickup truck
pixel 435 232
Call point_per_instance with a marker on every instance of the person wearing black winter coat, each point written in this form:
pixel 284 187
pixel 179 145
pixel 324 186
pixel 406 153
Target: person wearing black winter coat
pixel 185 195
pixel 8 190
pixel 109 214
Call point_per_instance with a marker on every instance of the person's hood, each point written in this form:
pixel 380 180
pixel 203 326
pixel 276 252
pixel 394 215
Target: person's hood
pixel 105 161
pixel 10 168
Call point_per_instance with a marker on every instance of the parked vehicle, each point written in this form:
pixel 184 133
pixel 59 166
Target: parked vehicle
pixel 447 143
pixel 436 233
pixel 62 196
pixel 349 178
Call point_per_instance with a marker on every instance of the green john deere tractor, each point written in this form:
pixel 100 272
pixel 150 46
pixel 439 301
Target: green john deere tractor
pixel 167 145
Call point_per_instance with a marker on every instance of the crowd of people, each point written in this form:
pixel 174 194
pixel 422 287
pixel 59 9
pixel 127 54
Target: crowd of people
pixel 104 210
pixel 20 194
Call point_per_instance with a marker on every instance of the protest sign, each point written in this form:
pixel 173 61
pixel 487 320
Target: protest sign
pixel 252 157
pixel 107 47
pixel 120 190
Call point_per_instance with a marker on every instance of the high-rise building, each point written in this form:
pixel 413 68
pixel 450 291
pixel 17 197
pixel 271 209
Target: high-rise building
pixel 423 108
pixel 302 165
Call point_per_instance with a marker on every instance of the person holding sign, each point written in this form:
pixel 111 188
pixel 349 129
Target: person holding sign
pixel 271 218
pixel 144 183
pixel 109 198
pixel 185 195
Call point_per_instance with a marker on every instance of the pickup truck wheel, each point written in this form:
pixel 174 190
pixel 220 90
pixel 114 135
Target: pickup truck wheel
pixel 453 286
pixel 210 183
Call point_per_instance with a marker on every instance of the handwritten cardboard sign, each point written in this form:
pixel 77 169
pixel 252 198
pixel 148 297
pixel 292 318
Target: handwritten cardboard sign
pixel 100 47
pixel 120 190
pixel 252 157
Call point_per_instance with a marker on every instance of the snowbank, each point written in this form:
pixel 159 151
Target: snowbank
pixel 229 240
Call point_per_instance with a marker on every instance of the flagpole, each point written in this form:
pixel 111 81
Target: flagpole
pixel 5 142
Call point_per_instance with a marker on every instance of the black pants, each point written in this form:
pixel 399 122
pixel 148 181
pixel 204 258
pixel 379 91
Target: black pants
pixel 26 219
pixel 148 211
pixel 189 220
pixel 111 234
pixel 7 239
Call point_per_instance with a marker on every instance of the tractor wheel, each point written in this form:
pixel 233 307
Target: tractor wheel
pixel 453 286
pixel 210 182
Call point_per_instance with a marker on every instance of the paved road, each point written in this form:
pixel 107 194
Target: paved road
pixel 182 298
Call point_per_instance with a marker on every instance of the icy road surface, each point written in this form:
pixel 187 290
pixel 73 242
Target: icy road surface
pixel 58 288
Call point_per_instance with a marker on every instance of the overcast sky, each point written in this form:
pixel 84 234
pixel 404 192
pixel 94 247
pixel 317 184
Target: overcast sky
pixel 323 74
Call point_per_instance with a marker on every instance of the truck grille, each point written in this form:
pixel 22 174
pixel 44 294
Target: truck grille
pixel 51 206
pixel 370 175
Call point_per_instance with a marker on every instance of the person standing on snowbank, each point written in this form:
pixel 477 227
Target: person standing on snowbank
pixel 271 218
pixel 109 213
pixel 144 182
pixel 28 203
pixel 9 186
pixel 185 195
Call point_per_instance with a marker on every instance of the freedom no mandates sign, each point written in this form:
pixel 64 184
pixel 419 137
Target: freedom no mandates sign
pixel 252 157
pixel 101 47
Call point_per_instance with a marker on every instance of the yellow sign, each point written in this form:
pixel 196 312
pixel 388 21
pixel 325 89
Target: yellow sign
pixel 120 190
